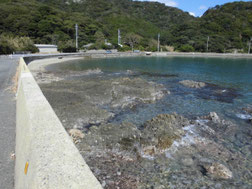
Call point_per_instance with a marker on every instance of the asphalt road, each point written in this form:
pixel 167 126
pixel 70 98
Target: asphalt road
pixel 8 68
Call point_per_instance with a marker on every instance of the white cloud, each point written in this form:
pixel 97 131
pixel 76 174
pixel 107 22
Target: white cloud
pixel 203 7
pixel 170 3
pixel 192 13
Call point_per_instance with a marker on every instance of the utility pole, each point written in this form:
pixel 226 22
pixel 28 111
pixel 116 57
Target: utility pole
pixel 119 37
pixel 207 42
pixel 76 35
pixel 158 45
pixel 249 45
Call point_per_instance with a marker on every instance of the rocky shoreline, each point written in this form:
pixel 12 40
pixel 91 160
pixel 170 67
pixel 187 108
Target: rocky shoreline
pixel 169 150
pixel 177 152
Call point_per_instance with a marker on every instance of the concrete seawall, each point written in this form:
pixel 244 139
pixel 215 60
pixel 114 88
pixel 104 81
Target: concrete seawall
pixel 46 157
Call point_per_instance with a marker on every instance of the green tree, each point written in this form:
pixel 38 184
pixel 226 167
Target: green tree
pixel 132 39
pixel 99 40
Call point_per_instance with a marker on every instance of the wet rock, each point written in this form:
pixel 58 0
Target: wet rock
pixel 192 84
pixel 163 130
pixel 247 110
pixel 220 171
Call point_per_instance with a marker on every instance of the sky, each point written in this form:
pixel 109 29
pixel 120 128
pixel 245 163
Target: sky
pixel 194 7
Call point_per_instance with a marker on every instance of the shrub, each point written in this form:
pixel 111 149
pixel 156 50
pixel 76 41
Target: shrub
pixel 186 48
pixel 9 44
pixel 67 46
pixel 124 48
pixel 26 44
pixel 5 48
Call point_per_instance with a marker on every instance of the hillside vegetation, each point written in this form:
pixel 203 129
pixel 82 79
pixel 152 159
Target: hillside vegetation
pixel 52 21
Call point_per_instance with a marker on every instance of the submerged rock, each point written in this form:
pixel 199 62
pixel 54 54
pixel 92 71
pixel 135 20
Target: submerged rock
pixel 153 74
pixel 192 84
pixel 91 102
pixel 210 91
pixel 128 92
pixel 220 171
pixel 219 93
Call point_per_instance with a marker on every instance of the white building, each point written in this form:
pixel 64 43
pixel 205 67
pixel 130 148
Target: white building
pixel 44 49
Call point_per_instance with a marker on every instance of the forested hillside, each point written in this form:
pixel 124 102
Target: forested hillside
pixel 52 21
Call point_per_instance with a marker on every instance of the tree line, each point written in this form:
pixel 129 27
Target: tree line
pixel 228 27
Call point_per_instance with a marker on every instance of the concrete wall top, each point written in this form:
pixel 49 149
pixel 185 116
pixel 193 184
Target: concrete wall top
pixel 46 157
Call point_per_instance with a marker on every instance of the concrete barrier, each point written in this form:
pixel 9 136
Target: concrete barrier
pixel 46 157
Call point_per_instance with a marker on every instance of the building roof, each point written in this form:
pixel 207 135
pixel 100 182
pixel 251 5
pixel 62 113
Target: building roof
pixel 46 46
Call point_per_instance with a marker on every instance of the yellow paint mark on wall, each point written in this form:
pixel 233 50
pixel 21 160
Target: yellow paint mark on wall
pixel 26 168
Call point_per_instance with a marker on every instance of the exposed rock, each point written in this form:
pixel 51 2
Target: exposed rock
pixel 149 150
pixel 76 133
pixel 187 161
pixel 214 117
pixel 192 84
pixel 163 130
pixel 46 77
pixel 218 170
pixel 122 136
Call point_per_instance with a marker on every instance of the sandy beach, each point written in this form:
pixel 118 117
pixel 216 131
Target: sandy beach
pixel 39 65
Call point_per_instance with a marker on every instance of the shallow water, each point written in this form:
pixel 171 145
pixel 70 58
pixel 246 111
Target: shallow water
pixel 226 73
pixel 182 165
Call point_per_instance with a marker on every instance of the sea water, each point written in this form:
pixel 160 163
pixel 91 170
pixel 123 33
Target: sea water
pixel 230 73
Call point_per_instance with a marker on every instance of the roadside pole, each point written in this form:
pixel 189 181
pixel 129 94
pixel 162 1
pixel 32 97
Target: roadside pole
pixel 207 42
pixel 76 35
pixel 249 45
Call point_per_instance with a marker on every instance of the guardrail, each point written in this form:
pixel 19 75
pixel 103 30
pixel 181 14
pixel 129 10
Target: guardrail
pixel 46 157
